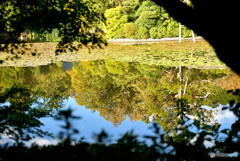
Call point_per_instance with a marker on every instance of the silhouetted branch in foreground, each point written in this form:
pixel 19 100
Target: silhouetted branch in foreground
pixel 178 147
pixel 215 21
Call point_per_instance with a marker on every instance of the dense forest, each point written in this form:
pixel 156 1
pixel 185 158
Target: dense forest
pixel 132 19
pixel 139 19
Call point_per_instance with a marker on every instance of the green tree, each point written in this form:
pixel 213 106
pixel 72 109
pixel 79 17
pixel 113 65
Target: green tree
pixel 130 30
pixel 120 34
pixel 130 6
pixel 114 21
pixel 142 33
pixel 153 32
pixel 148 14
pixel 74 19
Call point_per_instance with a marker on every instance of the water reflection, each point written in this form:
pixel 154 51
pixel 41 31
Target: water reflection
pixel 117 89
pixel 124 89
pixel 19 120
pixel 51 84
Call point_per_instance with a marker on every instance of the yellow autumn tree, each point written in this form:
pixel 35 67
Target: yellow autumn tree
pixel 78 81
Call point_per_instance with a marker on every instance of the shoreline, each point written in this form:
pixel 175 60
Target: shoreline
pixel 45 54
pixel 139 41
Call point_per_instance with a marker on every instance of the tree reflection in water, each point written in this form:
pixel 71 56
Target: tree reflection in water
pixel 120 89
pixel 19 119
pixel 129 148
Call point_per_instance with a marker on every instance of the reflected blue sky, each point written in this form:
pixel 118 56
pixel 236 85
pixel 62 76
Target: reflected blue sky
pixel 91 123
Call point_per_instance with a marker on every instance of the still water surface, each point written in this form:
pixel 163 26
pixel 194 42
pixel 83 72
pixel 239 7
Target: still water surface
pixel 120 96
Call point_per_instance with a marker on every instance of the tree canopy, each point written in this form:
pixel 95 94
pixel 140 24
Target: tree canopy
pixel 75 20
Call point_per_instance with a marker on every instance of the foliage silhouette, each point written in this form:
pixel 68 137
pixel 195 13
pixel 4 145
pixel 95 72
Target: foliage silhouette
pixel 18 119
pixel 128 147
pixel 66 115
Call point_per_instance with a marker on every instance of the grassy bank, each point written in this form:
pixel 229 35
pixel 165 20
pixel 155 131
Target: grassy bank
pixel 171 53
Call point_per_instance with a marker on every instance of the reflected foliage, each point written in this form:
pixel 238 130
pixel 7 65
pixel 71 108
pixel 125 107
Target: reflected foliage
pixel 51 85
pixel 99 88
pixel 121 89
pixel 19 119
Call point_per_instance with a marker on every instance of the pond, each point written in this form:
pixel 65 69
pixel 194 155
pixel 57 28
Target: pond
pixel 120 95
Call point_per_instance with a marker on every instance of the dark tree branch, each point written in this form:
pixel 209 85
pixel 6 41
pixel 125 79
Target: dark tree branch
pixel 214 20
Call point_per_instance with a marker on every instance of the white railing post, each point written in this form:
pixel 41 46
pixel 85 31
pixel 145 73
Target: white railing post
pixel 180 31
